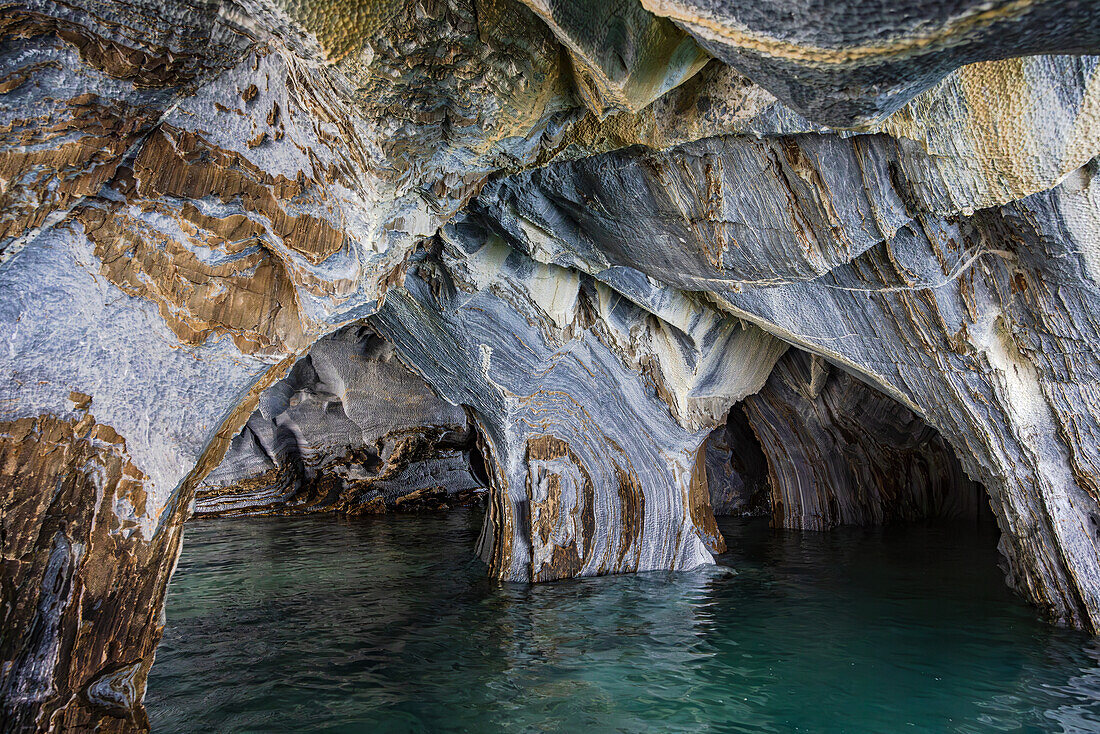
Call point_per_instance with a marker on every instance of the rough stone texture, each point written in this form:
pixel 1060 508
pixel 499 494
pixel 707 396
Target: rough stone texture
pixel 68 555
pixel 842 453
pixel 349 429
pixel 587 480
pixel 852 63
pixel 191 195
pixel 954 316
pixel 623 57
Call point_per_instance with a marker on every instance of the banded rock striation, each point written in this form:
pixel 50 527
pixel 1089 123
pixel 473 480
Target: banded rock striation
pixel 948 314
pixel 851 64
pixel 587 236
pixel 842 453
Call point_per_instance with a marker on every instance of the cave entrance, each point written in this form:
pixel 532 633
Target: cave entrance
pixel 816 449
pixel 351 430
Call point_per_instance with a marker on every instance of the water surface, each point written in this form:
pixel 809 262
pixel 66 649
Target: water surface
pixel 387 624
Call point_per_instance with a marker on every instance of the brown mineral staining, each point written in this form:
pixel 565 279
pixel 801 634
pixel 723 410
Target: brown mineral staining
pixel 182 164
pixel 497 546
pixel 546 448
pixel 154 67
pixel 341 25
pixel 79 580
pixel 80 400
pixel 250 93
pixel 548 517
pixel 351 430
pixel 375 506
pixel 66 551
pixel 325 490
pixel 632 507
pixel 251 297
pixel 905 45
pixel 279 476
pixel 565 563
pixel 502 520
pixel 702 515
pixel 47 164
pixel 560 508
pixel 17 78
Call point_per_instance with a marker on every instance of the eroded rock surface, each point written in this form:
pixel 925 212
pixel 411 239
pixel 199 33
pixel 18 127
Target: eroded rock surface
pixel 851 63
pixel 587 480
pixel 352 430
pixel 69 555
pixel 737 469
pixel 587 236
pixel 953 315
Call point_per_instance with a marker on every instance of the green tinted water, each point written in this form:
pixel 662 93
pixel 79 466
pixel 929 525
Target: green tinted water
pixel 387 624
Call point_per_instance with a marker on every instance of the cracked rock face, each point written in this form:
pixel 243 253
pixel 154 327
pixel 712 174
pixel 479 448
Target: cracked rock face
pixel 576 234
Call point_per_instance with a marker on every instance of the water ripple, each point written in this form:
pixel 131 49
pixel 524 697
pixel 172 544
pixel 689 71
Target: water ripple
pixel 388 624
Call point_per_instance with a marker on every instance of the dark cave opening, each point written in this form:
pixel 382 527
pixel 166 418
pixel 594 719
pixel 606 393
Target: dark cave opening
pixel 818 448
pixel 737 469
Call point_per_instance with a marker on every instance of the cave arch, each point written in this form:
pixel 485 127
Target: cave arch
pixel 352 430
pixel 840 452
pixel 192 203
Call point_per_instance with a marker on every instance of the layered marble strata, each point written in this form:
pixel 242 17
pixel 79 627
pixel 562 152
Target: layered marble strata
pixel 306 254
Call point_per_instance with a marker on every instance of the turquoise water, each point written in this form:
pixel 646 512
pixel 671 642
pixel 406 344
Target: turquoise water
pixel 387 624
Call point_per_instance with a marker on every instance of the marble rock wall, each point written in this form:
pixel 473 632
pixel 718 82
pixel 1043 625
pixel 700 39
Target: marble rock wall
pixel 842 453
pixel 586 480
pixel 816 448
pixel 957 314
pixel 350 429
pixel 848 64
pixel 593 229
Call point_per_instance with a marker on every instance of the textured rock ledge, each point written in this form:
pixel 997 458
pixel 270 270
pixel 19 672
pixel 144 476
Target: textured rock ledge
pixel 586 480
pixel 349 429
pixel 846 64
pixel 953 316
pixel 573 224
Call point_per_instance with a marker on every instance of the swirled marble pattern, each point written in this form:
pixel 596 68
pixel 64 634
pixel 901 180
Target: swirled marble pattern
pixel 588 233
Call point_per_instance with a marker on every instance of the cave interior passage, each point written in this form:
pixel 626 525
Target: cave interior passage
pixel 352 430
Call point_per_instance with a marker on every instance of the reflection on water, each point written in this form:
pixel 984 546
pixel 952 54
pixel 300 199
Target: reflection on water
pixel 387 624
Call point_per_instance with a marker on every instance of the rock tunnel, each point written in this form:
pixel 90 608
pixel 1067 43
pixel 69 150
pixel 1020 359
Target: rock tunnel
pixel 620 265
pixel 351 430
